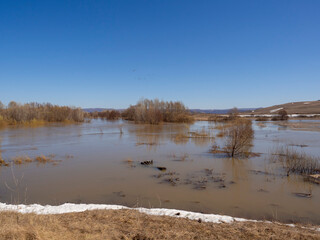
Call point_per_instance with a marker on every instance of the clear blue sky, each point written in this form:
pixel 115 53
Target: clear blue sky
pixel 208 54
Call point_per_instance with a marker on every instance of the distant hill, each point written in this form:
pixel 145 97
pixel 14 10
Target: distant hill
pixel 221 111
pixel 94 109
pixel 99 109
pixel 306 107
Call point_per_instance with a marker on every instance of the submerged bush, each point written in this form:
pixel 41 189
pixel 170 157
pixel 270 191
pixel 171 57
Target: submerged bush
pixel 296 161
pixel 155 111
pixel 281 116
pixel 239 135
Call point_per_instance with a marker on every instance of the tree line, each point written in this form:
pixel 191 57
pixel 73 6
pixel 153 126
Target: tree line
pixel 15 113
pixel 145 111
pixel 156 111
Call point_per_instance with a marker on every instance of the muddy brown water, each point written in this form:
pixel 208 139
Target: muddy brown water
pixel 99 164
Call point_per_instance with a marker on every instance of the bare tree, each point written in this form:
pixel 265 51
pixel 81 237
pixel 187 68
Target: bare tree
pixel 283 115
pixel 238 138
pixel 233 113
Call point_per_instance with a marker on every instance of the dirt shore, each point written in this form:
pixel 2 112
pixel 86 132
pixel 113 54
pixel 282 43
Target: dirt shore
pixel 131 224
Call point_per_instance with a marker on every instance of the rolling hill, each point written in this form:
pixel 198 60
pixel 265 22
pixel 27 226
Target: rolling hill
pixel 306 107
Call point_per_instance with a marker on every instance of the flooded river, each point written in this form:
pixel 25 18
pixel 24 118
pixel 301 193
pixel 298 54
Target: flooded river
pixel 100 162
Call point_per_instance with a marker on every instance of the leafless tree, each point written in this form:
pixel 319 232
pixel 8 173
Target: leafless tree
pixel 1 106
pixel 233 113
pixel 283 115
pixel 239 136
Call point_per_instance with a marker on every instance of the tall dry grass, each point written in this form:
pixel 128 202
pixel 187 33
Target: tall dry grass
pixel 295 160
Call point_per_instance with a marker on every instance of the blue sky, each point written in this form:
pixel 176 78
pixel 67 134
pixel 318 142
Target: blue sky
pixel 208 54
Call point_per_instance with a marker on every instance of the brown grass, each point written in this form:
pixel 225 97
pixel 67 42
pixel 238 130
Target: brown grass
pixel 295 160
pixel 3 163
pixel 24 159
pixel 21 160
pixel 199 134
pixel 130 224
pixel 203 133
pixel 221 134
pixel 43 159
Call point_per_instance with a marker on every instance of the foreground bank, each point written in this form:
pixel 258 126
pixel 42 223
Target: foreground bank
pixel 91 221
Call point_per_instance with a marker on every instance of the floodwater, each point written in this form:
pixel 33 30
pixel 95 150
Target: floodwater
pixel 99 162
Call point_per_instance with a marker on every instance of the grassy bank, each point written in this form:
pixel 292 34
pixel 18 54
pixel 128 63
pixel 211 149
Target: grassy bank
pixel 130 224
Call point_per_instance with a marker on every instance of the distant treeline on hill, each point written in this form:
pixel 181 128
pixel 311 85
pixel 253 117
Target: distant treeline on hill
pixel 16 113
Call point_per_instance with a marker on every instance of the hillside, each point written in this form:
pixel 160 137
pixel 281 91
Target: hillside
pixel 220 111
pixel 307 107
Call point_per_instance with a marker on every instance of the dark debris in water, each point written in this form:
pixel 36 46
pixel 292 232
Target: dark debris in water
pixel 208 172
pixel 169 177
pixel 119 194
pixel 298 145
pixel 171 180
pixel 163 169
pixel 302 195
pixel 313 178
pixel 147 162
pixel 160 175
pixel 263 190
pixel 258 172
pixel 200 184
